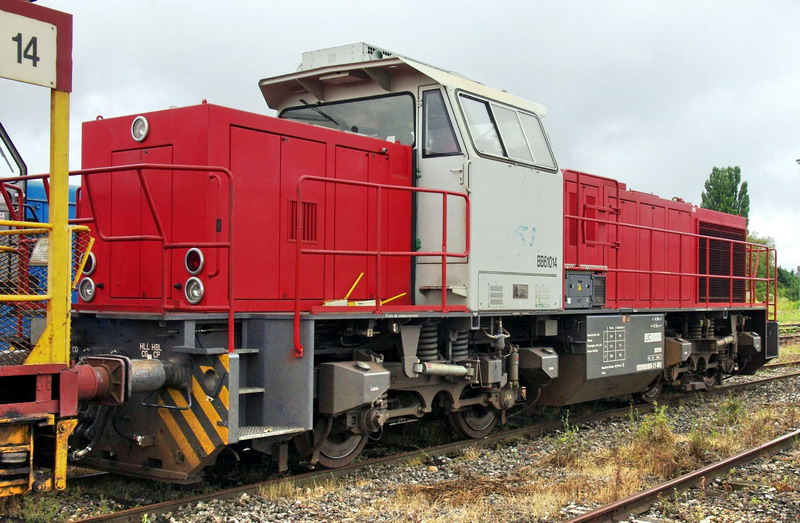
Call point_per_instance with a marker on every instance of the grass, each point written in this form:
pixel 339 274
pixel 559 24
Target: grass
pixel 731 411
pixel 789 353
pixel 788 311
pixel 114 492
pixel 653 448
pixel 279 490
pixel 472 453
pixel 567 446
pixel 651 452
pixel 45 507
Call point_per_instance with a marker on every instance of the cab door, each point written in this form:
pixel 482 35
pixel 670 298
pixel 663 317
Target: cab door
pixel 442 164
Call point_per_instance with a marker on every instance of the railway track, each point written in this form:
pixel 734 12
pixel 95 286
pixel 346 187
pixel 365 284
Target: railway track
pixel 789 333
pixel 641 502
pixel 789 339
pixel 136 514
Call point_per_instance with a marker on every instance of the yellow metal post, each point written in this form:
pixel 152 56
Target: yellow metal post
pixel 63 430
pixel 53 346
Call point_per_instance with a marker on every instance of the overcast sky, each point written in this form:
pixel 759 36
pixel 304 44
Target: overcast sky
pixel 652 93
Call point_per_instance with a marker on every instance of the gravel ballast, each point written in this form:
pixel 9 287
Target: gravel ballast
pixel 483 485
pixel 532 478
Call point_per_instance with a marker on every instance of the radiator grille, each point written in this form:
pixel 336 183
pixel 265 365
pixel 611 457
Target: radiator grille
pixel 719 262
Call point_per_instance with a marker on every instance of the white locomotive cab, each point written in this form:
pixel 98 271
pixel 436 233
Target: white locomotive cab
pixel 468 138
pixel 516 194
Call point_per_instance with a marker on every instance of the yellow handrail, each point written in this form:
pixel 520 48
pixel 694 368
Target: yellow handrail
pixel 30 225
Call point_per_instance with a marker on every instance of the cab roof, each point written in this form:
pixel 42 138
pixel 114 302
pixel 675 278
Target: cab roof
pixel 379 70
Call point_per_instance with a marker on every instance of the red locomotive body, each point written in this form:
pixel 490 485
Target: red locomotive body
pixel 267 156
pixel 511 281
pixel 653 251
pixel 557 286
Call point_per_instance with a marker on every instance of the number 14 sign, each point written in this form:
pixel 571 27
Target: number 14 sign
pixel 28 50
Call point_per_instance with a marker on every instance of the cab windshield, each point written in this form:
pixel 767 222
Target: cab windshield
pixel 386 117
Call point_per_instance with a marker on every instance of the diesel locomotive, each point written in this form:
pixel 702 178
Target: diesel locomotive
pixel 399 242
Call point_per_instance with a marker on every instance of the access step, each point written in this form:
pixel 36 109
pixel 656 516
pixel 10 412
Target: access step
pixel 251 390
pixel 211 351
pixel 255 431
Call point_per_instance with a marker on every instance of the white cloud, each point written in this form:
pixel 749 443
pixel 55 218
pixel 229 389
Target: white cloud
pixel 652 93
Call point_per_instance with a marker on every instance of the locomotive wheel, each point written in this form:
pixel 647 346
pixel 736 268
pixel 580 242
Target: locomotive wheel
pixel 337 449
pixel 474 422
pixel 710 378
pixel 653 391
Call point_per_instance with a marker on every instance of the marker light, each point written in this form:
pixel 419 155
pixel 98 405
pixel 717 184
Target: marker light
pixel 86 289
pixel 139 128
pixel 194 290
pixel 90 265
pixel 194 261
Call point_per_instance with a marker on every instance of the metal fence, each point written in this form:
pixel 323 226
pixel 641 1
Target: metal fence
pixel 24 255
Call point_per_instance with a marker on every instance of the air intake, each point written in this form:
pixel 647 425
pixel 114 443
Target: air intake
pixel 599 292
pixel 344 54
pixel 715 260
pixel 309 221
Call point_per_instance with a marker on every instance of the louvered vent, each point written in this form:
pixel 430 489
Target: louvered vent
pixel 720 264
pixel 495 295
pixel 309 221
pixel 599 292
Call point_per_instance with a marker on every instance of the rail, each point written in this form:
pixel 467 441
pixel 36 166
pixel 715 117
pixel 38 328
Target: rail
pixel 752 251
pixel 143 512
pixel 161 235
pixel 640 502
pixel 376 253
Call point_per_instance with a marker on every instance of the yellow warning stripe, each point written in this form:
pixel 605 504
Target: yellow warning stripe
pixel 223 397
pixel 209 410
pixel 223 358
pixel 177 435
pixel 191 419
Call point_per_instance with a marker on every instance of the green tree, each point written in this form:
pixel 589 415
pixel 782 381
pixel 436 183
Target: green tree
pixel 759 263
pixel 725 191
pixel 788 283
pixel 788 280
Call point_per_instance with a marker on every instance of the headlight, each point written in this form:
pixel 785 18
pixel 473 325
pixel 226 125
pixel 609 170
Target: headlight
pixel 90 265
pixel 194 290
pixel 139 128
pixel 194 261
pixel 86 289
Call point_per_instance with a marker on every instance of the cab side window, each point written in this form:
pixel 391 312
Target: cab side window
pixel 482 127
pixel 537 141
pixel 511 131
pixel 506 132
pixel 438 138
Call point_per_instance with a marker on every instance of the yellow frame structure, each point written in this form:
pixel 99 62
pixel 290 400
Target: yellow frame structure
pixel 53 345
